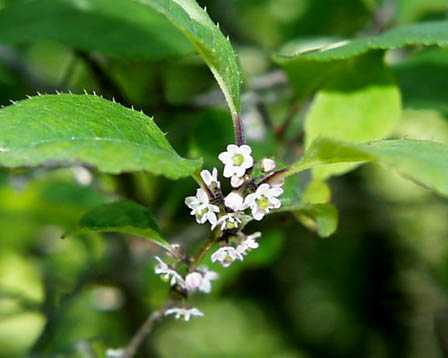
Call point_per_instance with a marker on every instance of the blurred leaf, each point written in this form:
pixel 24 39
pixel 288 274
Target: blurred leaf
pixel 422 80
pixel 322 218
pixel 310 63
pixel 422 34
pixel 425 162
pixel 21 292
pixel 362 103
pixel 292 193
pixel 124 217
pixel 412 10
pixel 93 25
pixel 73 128
pixel 210 136
pixel 209 42
pixel 317 192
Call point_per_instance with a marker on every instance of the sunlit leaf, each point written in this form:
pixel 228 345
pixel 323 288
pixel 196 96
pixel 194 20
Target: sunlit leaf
pixel 422 161
pixel 81 128
pixel 362 103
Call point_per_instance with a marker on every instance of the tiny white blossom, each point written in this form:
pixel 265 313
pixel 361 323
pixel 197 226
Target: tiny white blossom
pixel 234 201
pixel 193 281
pixel 114 353
pixel 236 182
pixel 248 244
pixel 201 207
pixel 267 165
pixel 185 313
pixel 226 255
pixel 210 179
pixel 200 280
pixel 237 159
pixel 207 277
pixel 168 274
pixel 228 222
pixel 263 200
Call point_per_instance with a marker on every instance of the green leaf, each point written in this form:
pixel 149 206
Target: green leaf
pixel 422 34
pixel 209 42
pixel 81 128
pixel 309 63
pixel 322 218
pixel 108 25
pixel 422 80
pixel 124 217
pixel 119 28
pixel 362 103
pixel 422 161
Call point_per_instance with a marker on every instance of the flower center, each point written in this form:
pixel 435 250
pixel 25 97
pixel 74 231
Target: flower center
pixel 263 202
pixel 238 159
pixel 202 212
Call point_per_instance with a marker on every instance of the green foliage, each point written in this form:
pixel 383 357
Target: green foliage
pixel 349 64
pixel 422 34
pixel 94 25
pixel 425 162
pixel 361 103
pixel 310 63
pixel 422 80
pixel 72 128
pixel 322 218
pixel 208 40
pixel 124 217
pixel 120 20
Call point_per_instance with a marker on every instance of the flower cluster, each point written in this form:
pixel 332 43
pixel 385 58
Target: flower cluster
pixel 251 198
pixel 258 195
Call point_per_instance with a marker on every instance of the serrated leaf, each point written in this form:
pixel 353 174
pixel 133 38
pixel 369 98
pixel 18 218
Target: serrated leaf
pixel 422 161
pixel 104 26
pixel 209 42
pixel 89 129
pixel 361 103
pixel 124 217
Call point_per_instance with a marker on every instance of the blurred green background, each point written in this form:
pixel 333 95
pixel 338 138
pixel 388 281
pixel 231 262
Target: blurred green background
pixel 376 288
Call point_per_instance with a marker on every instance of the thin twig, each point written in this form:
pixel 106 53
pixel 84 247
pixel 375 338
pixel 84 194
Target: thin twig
pixel 239 131
pixel 196 259
pixel 142 333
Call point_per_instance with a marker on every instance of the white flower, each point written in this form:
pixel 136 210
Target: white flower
pixel 193 281
pixel 185 313
pixel 200 280
pixel 236 182
pixel 237 159
pixel 226 255
pixel 248 244
pixel 263 200
pixel 228 222
pixel 234 201
pixel 201 207
pixel 207 277
pixel 210 179
pixel 114 353
pixel 267 165
pixel 168 274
